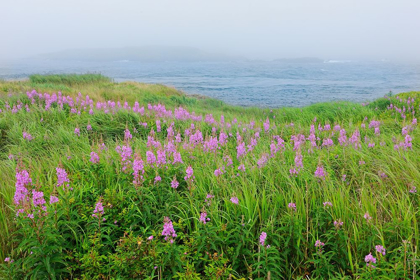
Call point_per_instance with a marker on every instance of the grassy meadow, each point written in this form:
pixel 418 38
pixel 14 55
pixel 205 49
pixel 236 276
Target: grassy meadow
pixel 105 180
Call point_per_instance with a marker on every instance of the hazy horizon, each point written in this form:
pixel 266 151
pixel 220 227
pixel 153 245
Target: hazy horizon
pixel 255 30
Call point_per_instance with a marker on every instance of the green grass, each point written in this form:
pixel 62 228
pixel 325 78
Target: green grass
pixel 73 244
pixel 69 79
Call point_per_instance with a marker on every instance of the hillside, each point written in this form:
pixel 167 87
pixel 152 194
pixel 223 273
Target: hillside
pixel 105 180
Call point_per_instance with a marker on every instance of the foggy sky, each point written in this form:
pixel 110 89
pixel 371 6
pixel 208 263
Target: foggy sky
pixel 263 29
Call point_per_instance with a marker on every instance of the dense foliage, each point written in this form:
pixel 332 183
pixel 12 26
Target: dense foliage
pixel 109 189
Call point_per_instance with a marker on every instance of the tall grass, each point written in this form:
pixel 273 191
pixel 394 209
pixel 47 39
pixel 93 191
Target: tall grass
pixel 69 79
pixel 378 182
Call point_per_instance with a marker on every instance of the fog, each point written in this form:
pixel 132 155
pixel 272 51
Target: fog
pixel 263 29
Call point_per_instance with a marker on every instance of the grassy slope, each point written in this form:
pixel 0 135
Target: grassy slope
pixel 263 193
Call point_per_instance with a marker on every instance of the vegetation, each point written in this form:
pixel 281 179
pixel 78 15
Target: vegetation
pixel 139 181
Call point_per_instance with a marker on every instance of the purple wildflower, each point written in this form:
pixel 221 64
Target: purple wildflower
pixel 320 172
pixel 263 236
pixel 319 244
pixel 174 183
pixel 370 260
pixel 367 217
pixel 99 210
pixel 62 177
pixel 94 158
pixel 380 249
pixel 327 203
pixel 168 229
pixel 190 173
pixel 292 206
pixel 234 200
pixel 158 179
pixel 53 199
pixel 203 217
pixel 338 224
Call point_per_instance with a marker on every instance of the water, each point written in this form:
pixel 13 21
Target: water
pixel 263 84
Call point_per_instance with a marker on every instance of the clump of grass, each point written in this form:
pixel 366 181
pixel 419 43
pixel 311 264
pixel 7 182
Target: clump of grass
pixel 68 79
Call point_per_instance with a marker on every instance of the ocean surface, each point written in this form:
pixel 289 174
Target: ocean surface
pixel 249 83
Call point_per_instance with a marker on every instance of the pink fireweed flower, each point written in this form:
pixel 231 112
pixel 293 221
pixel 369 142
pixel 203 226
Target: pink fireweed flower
pixel 158 179
pixel 125 153
pixel 267 125
pixel 99 210
pixel 38 199
pixel 413 189
pixel 370 260
pixel 240 150
pixel 320 172
pixel 263 236
pixel 168 230
pixel 241 167
pixel 292 206
pixel 327 203
pixel 189 175
pixel 158 127
pixel 367 217
pixel 94 158
pixel 62 177
pixel 174 183
pixel 138 170
pixel 383 175
pixel 234 200
pixel 150 237
pixel 127 134
pixel 77 131
pixel 218 172
pixel 161 157
pixel 327 143
pixel 22 181
pixel 178 138
pixel 298 161
pixel 338 223
pixel 151 158
pixel 88 127
pixel 343 138
pixel 407 142
pixel 343 178
pixel 361 162
pixel 177 158
pixel 380 249
pixel 319 245
pixel 27 136
pixel 53 199
pixel 293 172
pixel 203 218
pixel 355 139
pixel 262 161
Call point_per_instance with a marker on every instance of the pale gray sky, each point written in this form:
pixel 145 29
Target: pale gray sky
pixel 266 29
